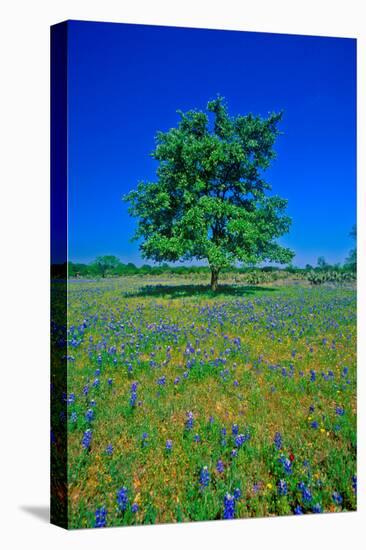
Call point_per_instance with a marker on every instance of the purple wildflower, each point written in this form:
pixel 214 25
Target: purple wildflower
pixel 278 441
pixel 282 487
pixel 100 517
pixel 189 421
pixel 161 381
pixel 237 493
pixel 89 415
pixel 122 498
pixel 204 477
pixel 229 506
pixel 86 441
pixel 338 499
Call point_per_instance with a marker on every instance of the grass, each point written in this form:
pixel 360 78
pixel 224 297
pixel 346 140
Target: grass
pixel 267 360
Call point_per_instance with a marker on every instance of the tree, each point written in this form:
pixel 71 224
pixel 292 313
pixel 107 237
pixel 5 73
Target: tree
pixel 106 263
pixel 321 263
pixel 351 260
pixel 209 200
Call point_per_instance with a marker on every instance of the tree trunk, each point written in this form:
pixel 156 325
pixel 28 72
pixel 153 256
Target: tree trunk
pixel 214 279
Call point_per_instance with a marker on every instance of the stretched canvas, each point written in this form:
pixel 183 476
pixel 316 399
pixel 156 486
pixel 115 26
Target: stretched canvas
pixel 203 277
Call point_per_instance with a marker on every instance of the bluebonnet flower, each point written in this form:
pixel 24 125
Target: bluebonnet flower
pixel 229 506
pixel 87 437
pixel 110 381
pixel 197 438
pixel 92 403
pixel 189 421
pixel 278 441
pixel 312 376
pixel 354 483
pixel 317 509
pixel 338 499
pixel 344 372
pixel 237 493
pixel 339 411
pixel 133 394
pixel 134 507
pixel 204 477
pixel 234 453
pixel 97 372
pixel 235 429
pixel 86 389
pixel 305 492
pixel 287 465
pixel 122 498
pixel 220 466
pixel 161 381
pixel 176 380
pixel 282 487
pixel 185 374
pixel 71 399
pixel 144 438
pixel 211 420
pixel 109 449
pixel 89 415
pixel 241 439
pixel 73 417
pixel 311 408
pixel 100 517
pixel 298 510
pixel 169 444
pixel 314 425
pixel 236 383
pixel 96 383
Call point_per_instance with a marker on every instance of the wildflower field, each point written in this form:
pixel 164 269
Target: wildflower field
pixel 185 405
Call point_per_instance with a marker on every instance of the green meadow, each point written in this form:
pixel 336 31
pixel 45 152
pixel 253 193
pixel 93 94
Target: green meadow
pixel 184 404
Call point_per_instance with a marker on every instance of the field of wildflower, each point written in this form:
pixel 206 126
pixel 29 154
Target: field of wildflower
pixel 184 405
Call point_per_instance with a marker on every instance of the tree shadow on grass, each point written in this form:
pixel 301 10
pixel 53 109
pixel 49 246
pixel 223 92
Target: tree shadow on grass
pixel 199 291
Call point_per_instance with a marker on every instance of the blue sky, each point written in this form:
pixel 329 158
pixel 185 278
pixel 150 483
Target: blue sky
pixel 126 82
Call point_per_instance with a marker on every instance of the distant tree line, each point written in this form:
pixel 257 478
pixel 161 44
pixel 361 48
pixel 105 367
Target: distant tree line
pixel 111 266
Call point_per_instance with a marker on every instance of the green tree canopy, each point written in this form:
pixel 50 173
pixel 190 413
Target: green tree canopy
pixel 209 201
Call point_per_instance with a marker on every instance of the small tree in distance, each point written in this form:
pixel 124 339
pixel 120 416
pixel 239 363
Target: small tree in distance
pixel 209 200
pixel 106 263
pixel 351 260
